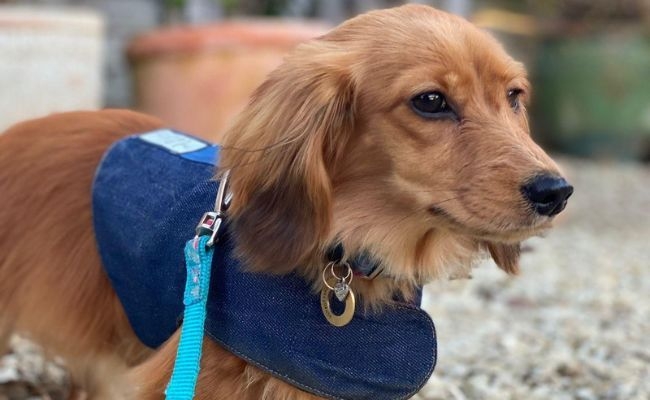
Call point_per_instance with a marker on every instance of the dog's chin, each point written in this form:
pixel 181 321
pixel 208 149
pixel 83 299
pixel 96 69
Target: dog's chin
pixel 501 243
pixel 515 232
pixel 513 235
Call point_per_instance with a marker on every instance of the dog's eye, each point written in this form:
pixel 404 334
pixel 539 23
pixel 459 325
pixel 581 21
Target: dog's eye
pixel 513 98
pixel 431 105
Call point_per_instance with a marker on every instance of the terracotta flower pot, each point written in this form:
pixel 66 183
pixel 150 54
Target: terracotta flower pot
pixel 198 78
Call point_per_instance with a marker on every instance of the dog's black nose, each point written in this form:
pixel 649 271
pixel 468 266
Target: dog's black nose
pixel 548 194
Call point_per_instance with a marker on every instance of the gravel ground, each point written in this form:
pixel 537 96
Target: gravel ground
pixel 574 325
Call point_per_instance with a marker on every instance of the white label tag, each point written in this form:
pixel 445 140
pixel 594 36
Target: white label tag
pixel 173 141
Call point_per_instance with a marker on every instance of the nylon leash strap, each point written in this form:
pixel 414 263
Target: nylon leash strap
pixel 198 261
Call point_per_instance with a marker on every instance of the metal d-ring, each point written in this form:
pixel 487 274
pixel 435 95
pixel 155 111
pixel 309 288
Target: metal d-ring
pixel 330 266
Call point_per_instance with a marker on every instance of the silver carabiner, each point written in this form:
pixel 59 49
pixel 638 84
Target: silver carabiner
pixel 222 201
pixel 212 220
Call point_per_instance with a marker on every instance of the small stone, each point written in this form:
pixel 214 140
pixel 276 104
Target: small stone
pixel 585 394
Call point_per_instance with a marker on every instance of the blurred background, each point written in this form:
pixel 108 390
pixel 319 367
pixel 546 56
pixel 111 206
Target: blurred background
pixel 574 325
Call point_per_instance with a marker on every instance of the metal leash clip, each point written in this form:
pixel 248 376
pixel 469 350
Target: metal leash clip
pixel 212 220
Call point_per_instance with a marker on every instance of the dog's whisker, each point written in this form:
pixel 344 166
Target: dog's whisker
pixel 272 146
pixel 428 191
pixel 447 200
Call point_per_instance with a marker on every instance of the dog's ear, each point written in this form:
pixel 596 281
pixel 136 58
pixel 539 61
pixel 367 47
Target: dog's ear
pixel 281 153
pixel 506 256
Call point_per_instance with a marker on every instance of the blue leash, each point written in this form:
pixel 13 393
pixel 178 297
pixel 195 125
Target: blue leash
pixel 198 261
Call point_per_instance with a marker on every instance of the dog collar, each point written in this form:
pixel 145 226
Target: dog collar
pixel 363 264
pixel 148 193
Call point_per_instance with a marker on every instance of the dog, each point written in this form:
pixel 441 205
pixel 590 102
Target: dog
pixel 401 134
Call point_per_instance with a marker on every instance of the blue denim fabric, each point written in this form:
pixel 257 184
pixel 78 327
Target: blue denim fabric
pixel 146 203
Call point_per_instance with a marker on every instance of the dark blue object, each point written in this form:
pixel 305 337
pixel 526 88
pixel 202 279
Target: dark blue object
pixel 149 193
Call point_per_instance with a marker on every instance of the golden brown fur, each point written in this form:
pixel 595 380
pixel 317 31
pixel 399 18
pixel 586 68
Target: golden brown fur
pixel 328 149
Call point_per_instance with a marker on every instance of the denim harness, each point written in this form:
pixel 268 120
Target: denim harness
pixel 149 192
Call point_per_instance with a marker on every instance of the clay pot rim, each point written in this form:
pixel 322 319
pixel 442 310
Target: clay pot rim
pixel 274 33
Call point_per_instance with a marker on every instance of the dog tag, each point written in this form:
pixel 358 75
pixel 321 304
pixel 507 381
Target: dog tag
pixel 341 290
pixel 337 320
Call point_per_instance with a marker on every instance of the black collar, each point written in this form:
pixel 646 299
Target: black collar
pixel 363 264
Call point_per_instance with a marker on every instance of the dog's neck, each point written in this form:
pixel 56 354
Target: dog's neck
pixel 362 264
pixel 409 249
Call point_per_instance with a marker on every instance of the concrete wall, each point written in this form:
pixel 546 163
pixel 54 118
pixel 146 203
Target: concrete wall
pixel 50 61
pixel 123 20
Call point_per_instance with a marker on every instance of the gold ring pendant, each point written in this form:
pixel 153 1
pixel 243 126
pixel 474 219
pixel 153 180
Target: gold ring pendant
pixel 348 312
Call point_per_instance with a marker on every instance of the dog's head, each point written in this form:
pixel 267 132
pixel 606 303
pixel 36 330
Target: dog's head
pixel 402 133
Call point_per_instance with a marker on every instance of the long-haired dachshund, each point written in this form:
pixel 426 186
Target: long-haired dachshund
pixel 402 134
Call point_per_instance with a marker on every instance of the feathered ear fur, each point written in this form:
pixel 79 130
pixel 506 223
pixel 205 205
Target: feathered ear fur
pixel 281 153
pixel 506 256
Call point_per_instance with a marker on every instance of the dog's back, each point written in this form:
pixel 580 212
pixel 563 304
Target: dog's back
pixel 48 257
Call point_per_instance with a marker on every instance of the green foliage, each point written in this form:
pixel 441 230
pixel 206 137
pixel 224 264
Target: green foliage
pixel 254 7
pixel 580 10
pixel 229 5
pixel 175 4
pixel 238 7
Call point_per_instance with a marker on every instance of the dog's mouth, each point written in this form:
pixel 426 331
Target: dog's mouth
pixel 507 233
